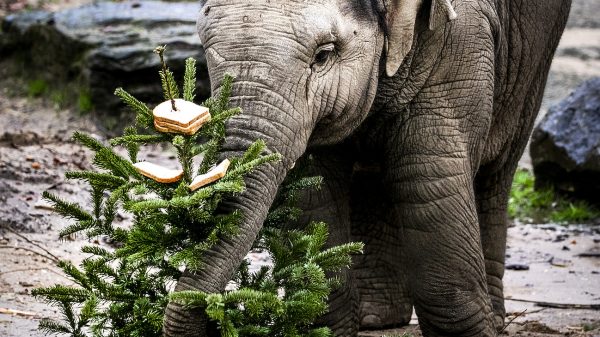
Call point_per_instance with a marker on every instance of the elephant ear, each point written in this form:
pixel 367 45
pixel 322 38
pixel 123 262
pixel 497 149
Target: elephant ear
pixel 401 17
pixel 441 12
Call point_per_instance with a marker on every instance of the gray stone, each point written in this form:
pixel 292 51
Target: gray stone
pixel 105 45
pixel 565 147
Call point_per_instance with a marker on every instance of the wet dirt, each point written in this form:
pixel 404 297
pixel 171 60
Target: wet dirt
pixel 553 289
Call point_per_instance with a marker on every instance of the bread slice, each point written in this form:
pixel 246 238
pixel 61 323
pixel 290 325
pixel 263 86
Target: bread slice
pixel 214 174
pixel 174 128
pixel 187 113
pixel 158 173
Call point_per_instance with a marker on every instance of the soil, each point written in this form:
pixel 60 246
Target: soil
pixel 551 288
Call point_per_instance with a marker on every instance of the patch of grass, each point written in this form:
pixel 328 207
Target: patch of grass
pixel 577 211
pixel 591 326
pixel 530 205
pixel 59 98
pixel 36 88
pixel 84 102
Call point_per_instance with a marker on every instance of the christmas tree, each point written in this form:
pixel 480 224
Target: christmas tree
pixel 124 291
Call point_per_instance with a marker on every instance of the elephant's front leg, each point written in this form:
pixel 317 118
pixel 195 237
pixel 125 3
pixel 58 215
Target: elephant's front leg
pixel 379 272
pixel 492 190
pixel 330 204
pixel 431 177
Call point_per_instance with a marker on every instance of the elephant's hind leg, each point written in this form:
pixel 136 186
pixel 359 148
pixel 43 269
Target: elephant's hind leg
pixel 380 279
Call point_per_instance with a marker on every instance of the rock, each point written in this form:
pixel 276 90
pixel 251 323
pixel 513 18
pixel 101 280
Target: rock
pixel 565 146
pixel 105 45
pixel 517 266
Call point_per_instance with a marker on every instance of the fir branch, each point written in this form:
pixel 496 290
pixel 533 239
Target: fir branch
pixel 97 251
pixel 75 274
pixel 338 257
pixel 211 150
pixel 320 332
pixel 200 195
pixel 101 180
pixel 87 141
pixel 282 215
pixel 166 77
pixel 184 147
pixel 67 209
pixel 110 209
pixel 144 117
pixel 97 197
pixel 225 115
pixel 132 147
pixel 227 225
pixel 146 205
pixel 146 242
pixel 245 168
pixel 224 94
pixel 253 152
pixel 88 311
pixel 107 159
pixel 61 293
pixel 189 79
pixel 76 228
pixel 138 139
pixel 318 237
pixel 48 326
pixel 191 256
pixel 189 299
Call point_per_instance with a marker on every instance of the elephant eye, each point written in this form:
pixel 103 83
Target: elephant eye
pixel 323 54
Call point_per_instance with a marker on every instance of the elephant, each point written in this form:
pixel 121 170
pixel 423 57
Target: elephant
pixel 416 113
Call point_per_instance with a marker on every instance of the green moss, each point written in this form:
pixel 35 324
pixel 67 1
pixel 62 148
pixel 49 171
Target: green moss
pixel 535 206
pixel 36 88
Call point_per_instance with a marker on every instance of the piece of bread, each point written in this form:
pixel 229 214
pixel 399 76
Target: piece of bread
pixel 158 173
pixel 214 174
pixel 174 128
pixel 187 113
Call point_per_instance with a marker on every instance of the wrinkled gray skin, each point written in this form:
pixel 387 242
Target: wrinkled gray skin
pixel 417 113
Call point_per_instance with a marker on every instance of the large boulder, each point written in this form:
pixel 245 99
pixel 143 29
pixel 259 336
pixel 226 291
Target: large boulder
pixel 565 147
pixel 105 45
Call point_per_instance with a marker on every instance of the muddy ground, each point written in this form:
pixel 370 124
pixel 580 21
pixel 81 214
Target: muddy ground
pixel 558 295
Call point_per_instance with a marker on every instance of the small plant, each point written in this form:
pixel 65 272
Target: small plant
pixel 531 205
pixel 59 98
pixel 124 292
pixel 84 102
pixel 37 88
pixel 591 326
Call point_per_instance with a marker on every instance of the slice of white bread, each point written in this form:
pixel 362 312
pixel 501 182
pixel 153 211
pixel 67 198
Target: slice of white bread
pixel 158 173
pixel 187 113
pixel 214 174
pixel 174 128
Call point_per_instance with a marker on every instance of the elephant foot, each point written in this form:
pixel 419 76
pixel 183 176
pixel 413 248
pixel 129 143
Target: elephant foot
pixel 342 316
pixel 499 312
pixel 375 315
pixel 343 328
pixel 499 322
pixel 496 295
pixel 384 299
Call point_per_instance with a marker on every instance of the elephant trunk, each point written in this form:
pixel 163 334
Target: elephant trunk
pixel 221 261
